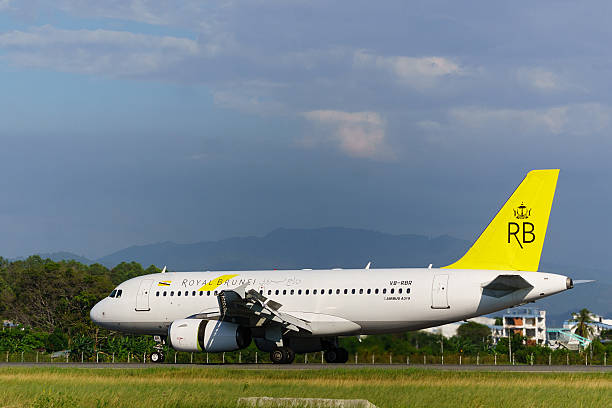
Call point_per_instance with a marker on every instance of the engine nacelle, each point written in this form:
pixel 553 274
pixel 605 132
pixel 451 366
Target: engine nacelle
pixel 207 335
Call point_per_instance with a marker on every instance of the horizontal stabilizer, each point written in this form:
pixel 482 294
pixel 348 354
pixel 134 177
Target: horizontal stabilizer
pixel 504 285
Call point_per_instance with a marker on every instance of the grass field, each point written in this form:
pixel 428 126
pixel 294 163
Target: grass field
pixel 210 387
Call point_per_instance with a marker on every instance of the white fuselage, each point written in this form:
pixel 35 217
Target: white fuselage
pixel 347 302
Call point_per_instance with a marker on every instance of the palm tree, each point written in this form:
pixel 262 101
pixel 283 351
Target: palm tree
pixel 582 326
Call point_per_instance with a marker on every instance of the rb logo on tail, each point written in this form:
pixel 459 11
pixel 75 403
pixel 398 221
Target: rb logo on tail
pixel 513 240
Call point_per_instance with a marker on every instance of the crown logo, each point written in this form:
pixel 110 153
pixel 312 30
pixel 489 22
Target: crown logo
pixel 522 212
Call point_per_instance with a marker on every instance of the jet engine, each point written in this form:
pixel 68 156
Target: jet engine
pixel 207 335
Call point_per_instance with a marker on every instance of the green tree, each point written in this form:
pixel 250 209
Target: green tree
pixel 56 341
pixel 82 345
pixel 21 339
pixel 125 271
pixel 476 333
pixel 581 323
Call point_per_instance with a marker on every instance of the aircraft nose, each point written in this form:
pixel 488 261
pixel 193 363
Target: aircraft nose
pixel 96 314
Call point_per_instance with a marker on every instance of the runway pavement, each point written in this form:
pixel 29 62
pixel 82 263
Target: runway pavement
pixel 446 367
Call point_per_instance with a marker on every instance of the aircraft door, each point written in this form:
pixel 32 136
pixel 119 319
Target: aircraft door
pixel 439 292
pixel 142 297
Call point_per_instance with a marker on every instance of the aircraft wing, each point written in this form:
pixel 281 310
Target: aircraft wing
pixel 252 309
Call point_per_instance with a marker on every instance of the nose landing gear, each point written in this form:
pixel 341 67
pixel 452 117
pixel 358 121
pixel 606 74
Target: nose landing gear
pixel 157 356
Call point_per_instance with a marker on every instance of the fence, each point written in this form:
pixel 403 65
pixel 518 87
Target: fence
pixel 254 357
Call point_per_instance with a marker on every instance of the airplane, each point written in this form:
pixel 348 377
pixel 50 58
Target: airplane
pixel 301 311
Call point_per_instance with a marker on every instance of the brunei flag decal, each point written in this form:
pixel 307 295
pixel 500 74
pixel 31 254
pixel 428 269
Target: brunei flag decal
pixel 164 283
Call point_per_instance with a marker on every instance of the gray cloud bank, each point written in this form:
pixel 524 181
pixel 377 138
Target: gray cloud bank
pixel 405 117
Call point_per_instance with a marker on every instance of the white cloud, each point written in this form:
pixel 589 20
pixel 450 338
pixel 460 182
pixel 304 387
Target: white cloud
pixel 573 119
pixel 540 79
pixel 113 53
pixel 145 11
pixel 414 71
pixel 358 134
pixel 248 102
pixel 5 5
pixel 429 125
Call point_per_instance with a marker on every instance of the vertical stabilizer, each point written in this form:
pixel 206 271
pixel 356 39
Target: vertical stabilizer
pixel 513 241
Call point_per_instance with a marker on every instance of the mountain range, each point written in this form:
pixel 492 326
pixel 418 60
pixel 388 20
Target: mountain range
pixel 334 247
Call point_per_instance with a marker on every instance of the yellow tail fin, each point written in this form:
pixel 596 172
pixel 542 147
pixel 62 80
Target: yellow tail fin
pixel 513 240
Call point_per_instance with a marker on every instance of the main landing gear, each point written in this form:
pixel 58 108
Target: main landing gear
pixel 336 355
pixel 157 356
pixel 282 355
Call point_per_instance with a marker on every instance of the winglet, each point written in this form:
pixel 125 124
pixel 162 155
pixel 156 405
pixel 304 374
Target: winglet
pixel 368 265
pixel 164 270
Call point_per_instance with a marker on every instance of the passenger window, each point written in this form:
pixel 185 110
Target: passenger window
pixel 193 293
pixel 215 293
pixel 384 291
pixel 276 292
pixel 291 293
pixel 314 291
pixel 284 291
pixel 261 292
pixel 307 291
pixel 346 291
pixel 407 290
pixel 376 291
pixel 369 291
pixel 201 293
pixel 186 293
pixel 399 290
pixel 156 293
pixel 392 290
pixel 165 293
pixel 119 292
pixel 113 293
pixel 171 293
pixel 361 291
pixel 299 291
pixel 269 292
pixel 322 291
pixel 208 293
pixel 178 293
pixel 353 291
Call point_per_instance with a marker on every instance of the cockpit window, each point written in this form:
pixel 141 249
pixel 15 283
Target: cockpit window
pixel 119 292
pixel 113 293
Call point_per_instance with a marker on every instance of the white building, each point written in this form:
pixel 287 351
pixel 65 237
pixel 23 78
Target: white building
pixel 598 325
pixel 529 322
pixel 566 337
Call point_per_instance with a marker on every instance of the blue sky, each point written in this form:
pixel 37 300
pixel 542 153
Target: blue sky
pixel 131 122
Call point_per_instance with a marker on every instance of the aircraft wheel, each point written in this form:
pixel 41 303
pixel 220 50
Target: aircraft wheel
pixel 289 355
pixel 157 357
pixel 282 355
pixel 331 355
pixel 343 355
pixel 277 356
